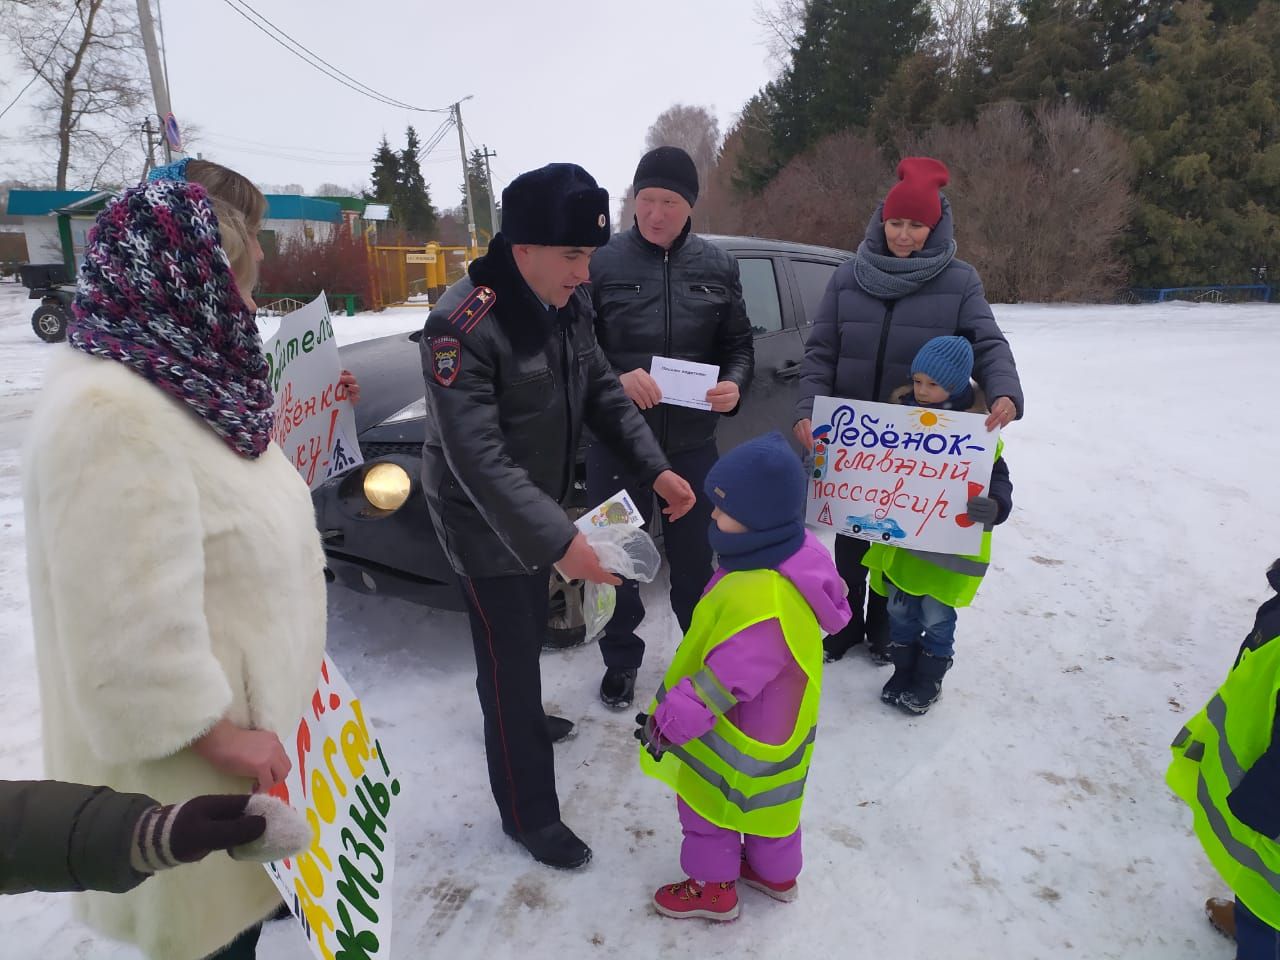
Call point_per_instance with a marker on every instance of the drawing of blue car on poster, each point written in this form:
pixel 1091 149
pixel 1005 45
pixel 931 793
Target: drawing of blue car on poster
pixel 869 528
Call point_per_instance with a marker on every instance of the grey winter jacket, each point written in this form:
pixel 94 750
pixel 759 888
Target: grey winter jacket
pixel 685 302
pixel 59 836
pixel 861 348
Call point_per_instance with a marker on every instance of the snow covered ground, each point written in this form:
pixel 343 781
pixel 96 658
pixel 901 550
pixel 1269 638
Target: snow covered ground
pixel 1025 817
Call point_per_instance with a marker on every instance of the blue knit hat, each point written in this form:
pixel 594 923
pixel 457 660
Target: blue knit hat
pixel 761 484
pixel 948 361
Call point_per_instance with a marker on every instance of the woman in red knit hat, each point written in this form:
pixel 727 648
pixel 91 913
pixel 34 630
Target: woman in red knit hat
pixel 903 288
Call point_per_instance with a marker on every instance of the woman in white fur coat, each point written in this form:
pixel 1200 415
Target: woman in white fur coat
pixel 177 580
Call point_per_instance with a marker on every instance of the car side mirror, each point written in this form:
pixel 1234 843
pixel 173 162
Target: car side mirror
pixel 416 336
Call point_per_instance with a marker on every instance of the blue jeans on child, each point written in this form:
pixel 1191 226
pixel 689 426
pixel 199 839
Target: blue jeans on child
pixel 1255 938
pixel 910 616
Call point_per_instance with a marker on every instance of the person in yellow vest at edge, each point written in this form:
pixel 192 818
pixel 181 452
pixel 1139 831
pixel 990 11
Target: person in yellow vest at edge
pixel 732 726
pixel 1226 766
pixel 924 589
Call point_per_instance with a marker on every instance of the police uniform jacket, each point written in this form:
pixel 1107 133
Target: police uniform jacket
pixel 684 303
pixel 509 385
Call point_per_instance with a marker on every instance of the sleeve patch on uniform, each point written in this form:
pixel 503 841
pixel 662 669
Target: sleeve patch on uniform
pixel 446 359
pixel 472 310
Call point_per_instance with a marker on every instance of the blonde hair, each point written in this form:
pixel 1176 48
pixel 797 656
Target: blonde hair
pixel 240 208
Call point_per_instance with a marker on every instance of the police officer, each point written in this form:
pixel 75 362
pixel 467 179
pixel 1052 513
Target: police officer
pixel 512 371
pixel 660 290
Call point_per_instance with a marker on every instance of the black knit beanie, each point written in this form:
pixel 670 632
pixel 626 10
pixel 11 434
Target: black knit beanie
pixel 669 168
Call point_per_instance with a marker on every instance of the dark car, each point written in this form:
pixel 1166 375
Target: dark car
pixel 373 520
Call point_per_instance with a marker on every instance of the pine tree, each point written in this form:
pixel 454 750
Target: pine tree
pixel 478 174
pixel 1204 116
pixel 846 53
pixel 386 174
pixel 413 198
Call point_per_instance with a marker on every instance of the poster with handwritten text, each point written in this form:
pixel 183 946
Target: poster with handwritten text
pixel 898 474
pixel 339 889
pixel 315 424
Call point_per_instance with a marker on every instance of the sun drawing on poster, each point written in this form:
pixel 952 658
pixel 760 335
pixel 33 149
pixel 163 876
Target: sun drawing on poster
pixel 929 419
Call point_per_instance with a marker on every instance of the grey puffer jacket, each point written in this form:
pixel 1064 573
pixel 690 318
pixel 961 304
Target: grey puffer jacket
pixel 861 347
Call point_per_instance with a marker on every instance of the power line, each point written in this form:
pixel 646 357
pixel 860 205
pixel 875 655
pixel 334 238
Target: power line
pixel 237 148
pixel 315 60
pixel 52 50
pixel 343 154
pixel 436 138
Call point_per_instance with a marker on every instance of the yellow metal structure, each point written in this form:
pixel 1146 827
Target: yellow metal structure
pixel 415 275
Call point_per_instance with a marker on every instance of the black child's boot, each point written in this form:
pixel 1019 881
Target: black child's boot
pixel 903 657
pixel 877 629
pixel 926 685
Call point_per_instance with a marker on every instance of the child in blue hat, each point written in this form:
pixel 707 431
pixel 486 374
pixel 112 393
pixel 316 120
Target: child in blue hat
pixel 924 589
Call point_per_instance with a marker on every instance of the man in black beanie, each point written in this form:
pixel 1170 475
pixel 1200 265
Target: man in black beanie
pixel 660 290
pixel 512 372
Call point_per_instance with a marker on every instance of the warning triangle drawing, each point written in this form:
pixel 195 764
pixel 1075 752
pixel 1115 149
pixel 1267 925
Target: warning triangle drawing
pixel 825 515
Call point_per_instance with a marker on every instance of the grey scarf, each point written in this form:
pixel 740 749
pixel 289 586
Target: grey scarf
pixel 891 278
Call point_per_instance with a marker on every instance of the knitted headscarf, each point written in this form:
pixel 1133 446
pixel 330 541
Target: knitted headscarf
pixel 156 293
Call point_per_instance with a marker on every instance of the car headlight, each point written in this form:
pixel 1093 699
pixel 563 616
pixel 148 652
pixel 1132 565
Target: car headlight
pixel 386 486
pixel 414 411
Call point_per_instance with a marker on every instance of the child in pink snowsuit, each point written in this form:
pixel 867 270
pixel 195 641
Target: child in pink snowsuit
pixel 758 490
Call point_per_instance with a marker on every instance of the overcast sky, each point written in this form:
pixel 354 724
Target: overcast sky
pixel 550 80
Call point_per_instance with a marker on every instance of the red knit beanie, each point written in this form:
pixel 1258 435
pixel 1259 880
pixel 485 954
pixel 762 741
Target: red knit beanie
pixel 915 195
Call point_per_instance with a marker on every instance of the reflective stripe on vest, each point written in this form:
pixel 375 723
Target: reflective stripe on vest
pixel 742 762
pixel 786 793
pixel 966 566
pixel 1242 853
pixel 1211 756
pixel 726 775
pixel 712 692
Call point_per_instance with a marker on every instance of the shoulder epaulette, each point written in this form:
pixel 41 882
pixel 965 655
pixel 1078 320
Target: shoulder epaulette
pixel 473 309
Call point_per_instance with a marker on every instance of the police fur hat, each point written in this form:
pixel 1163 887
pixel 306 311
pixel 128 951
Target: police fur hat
pixel 559 205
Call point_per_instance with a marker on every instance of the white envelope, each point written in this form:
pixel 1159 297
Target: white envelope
pixel 684 383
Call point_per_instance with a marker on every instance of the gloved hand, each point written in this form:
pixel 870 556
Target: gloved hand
pixel 186 832
pixel 647 733
pixel 982 510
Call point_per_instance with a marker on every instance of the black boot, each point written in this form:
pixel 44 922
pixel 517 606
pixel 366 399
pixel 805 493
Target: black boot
pixel 877 629
pixel 618 688
pixel 926 685
pixel 555 845
pixel 903 657
pixel 559 728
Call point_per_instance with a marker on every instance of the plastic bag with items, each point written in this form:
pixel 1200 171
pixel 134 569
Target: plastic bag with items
pixel 625 550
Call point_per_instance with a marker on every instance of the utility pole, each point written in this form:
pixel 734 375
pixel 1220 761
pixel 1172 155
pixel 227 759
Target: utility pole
pixel 466 177
pixel 493 207
pixel 151 146
pixel 154 67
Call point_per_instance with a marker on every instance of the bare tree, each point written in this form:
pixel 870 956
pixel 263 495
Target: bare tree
pixel 337 190
pixel 783 23
pixel 286 189
pixel 1041 202
pixel 960 25
pixel 86 56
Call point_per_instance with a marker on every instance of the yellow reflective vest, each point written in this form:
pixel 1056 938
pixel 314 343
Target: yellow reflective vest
pixel 948 578
pixel 1210 757
pixel 729 778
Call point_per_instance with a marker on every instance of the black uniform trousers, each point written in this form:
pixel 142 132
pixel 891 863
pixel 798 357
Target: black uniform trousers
pixel 685 542
pixel 508 621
